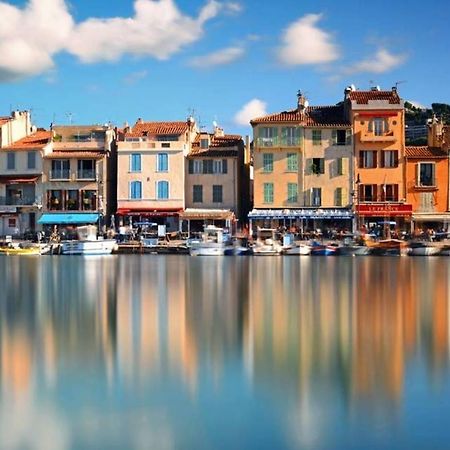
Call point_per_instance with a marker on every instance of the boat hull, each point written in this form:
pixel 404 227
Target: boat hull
pixel 424 251
pixel 85 248
pixel 324 251
pixel 297 250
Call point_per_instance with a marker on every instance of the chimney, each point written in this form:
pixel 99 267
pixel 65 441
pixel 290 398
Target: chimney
pixel 139 121
pixel 301 101
pixel 435 132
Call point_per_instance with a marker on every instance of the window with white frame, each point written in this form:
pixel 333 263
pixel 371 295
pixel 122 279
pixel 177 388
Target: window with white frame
pixel 163 162
pixel 135 190
pixel 379 126
pixel 292 162
pixel 162 188
pixel 292 192
pixel 368 159
pixel 389 158
pixel 268 192
pixel 268 136
pixel 217 166
pixel 267 162
pixel 290 136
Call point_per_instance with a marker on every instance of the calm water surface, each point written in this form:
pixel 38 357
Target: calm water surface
pixel 148 352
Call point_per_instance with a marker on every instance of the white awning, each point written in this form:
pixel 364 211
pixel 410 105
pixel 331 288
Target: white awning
pixel 430 217
pixel 304 213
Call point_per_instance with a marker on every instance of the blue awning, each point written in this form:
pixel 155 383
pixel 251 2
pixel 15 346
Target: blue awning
pixel 68 219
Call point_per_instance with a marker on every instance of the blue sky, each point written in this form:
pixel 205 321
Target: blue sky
pixel 226 60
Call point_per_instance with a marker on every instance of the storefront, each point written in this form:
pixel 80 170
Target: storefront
pixel 392 216
pixel 193 219
pixel 304 220
pixel 167 217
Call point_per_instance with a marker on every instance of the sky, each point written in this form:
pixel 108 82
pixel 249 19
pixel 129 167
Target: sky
pixel 92 61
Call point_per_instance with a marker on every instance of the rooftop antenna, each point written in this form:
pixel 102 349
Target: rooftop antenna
pixel 399 82
pixel 70 117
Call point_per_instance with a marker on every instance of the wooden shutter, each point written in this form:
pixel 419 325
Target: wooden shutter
pixel 374 192
pixel 334 137
pixel 361 159
pixel 382 162
pixel 396 192
pixel 375 159
pixel 339 163
pixel 205 166
pixel 344 197
pixel 191 166
pixel 224 165
pixel 348 137
pixel 418 174
pixel 361 193
pixel 345 164
pixel 322 165
pixel 396 158
pixel 338 196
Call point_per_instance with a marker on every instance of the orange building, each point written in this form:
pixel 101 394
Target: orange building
pixel 378 121
pixel 427 186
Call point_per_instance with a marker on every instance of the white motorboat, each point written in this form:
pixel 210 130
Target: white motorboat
pixel 266 244
pixel 88 243
pixel 214 241
pixel 297 250
pixel 420 248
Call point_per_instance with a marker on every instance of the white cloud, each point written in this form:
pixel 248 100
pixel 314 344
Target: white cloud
pixel 220 57
pixel 303 42
pixel 382 61
pixel 30 37
pixel 134 77
pixel 158 29
pixel 251 110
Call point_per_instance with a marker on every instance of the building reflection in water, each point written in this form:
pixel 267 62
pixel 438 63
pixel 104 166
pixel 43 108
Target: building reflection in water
pixel 303 330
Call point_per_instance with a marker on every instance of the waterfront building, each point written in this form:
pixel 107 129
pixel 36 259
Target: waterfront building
pixel 76 180
pixel 378 121
pixel 22 148
pixel 151 171
pixel 302 167
pixel 427 180
pixel 217 180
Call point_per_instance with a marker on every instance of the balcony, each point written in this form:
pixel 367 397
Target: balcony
pixel 268 142
pixel 60 174
pixel 19 201
pixel 86 174
pixel 372 137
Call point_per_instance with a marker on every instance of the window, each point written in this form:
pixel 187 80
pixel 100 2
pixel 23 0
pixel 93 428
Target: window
pixel 86 169
pixel 268 192
pixel 204 143
pixel 339 137
pixel 267 162
pixel 268 136
pixel 162 189
pixel 340 166
pixel 135 190
pixel 89 200
pixel 55 200
pixel 316 196
pixel 197 193
pixel 378 126
pixel 318 166
pixel 167 137
pixel 11 222
pixel 367 159
pixel 292 189
pixel 389 158
pixel 292 162
pixel 426 174
pixel 60 169
pixel 208 166
pixel 389 193
pixel 31 160
pixel 135 162
pixel 317 137
pixel 290 136
pixel 217 193
pixel 367 193
pixel 11 161
pixel 197 166
pixel 217 166
pixel 72 200
pixel 163 162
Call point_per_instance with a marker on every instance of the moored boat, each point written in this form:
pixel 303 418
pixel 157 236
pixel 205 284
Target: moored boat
pixel 421 248
pixel 324 250
pixel 88 243
pixel 297 250
pixel 214 241
pixel 266 243
pixel 388 247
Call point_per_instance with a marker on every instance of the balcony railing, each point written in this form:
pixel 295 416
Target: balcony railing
pixel 17 201
pixel 372 137
pixel 86 174
pixel 60 174
pixel 268 142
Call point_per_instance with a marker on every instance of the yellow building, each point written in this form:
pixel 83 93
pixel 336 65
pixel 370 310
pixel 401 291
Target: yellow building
pixel 302 167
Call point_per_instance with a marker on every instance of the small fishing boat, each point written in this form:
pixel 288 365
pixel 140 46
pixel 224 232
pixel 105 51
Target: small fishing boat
pixel 88 243
pixel 297 250
pixel 388 247
pixel 324 250
pixel 19 251
pixel 421 248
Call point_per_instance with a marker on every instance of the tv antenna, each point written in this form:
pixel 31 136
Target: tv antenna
pixel 70 117
pixel 399 82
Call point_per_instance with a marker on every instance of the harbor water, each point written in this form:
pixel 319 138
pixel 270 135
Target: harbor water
pixel 178 352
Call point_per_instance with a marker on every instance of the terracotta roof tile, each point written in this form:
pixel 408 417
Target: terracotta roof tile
pixel 4 120
pixel 37 140
pixel 425 152
pixel 157 128
pixel 363 97
pixel 312 116
pixel 220 146
pixel 73 154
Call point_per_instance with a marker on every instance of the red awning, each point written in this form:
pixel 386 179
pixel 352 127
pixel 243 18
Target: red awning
pixel 16 180
pixel 377 114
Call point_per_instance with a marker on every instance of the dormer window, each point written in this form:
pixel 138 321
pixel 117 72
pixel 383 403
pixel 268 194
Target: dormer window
pixel 204 143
